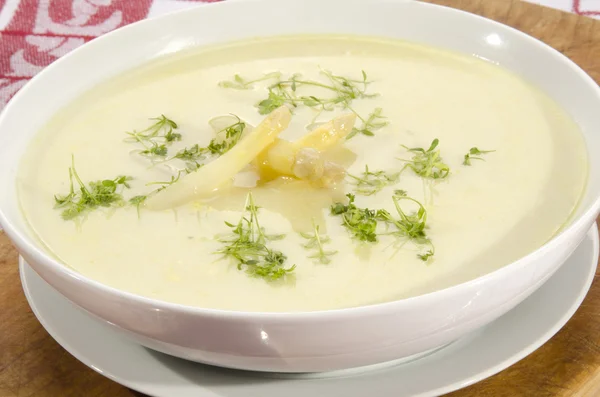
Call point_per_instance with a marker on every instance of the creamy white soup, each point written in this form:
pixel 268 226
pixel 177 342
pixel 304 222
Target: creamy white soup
pixel 302 173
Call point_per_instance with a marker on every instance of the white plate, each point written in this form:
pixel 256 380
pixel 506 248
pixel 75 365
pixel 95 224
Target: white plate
pixel 469 360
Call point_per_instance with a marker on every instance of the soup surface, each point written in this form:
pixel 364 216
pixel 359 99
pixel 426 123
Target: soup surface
pixel 454 166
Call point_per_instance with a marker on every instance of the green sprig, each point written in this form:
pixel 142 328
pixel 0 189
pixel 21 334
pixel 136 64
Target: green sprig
pixel 225 140
pixel 427 163
pixel 316 241
pixel 343 90
pixel 374 122
pixel 156 137
pixel 475 154
pixel 372 182
pixel 139 200
pixel 83 199
pixel 360 222
pixel 247 245
pixel 411 226
pixel 240 83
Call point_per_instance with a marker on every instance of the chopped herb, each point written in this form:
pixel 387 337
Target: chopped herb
pixel 226 139
pixel 285 91
pixel 316 241
pixel 370 183
pixel 344 90
pixel 247 245
pixel 156 137
pixel 273 102
pixel 360 222
pixel 137 201
pixel 155 150
pixel 427 163
pixel 475 154
pixel 233 133
pixel 192 156
pixel 240 83
pixel 411 226
pixel 164 185
pixel 374 122
pixel 192 167
pixel 83 199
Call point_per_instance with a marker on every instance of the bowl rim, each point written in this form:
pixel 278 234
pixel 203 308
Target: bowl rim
pixel 25 242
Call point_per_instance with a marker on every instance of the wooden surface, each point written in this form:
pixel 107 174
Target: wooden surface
pixel 33 364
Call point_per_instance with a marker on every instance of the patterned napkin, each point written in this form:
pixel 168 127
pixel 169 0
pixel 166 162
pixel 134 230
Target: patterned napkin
pixel 590 8
pixel 34 33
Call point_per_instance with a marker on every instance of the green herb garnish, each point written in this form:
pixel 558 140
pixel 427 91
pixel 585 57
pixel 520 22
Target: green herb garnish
pixel 285 91
pixel 316 241
pixel 226 139
pixel 83 199
pixel 156 150
pixel 137 201
pixel 411 226
pixel 156 137
pixel 192 156
pixel 360 222
pixel 343 90
pixel 370 183
pixel 428 163
pixel 232 134
pixel 247 245
pixel 165 184
pixel 240 83
pixel 374 122
pixel 475 154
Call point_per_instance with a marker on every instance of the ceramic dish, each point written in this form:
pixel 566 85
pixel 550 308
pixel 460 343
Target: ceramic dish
pixel 309 341
pixel 470 359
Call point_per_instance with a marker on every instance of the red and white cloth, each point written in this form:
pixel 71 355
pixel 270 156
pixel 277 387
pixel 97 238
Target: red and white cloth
pixel 590 8
pixel 33 33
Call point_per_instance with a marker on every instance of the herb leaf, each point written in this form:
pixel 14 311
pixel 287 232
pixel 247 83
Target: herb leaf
pixel 240 83
pixel 226 139
pixel 316 241
pixel 192 156
pixel 285 91
pixel 83 199
pixel 156 137
pixel 411 226
pixel 139 200
pixel 247 245
pixel 475 154
pixel 360 222
pixel 374 122
pixel 370 183
pixel 427 163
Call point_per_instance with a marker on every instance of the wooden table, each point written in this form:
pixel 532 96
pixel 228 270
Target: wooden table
pixel 33 364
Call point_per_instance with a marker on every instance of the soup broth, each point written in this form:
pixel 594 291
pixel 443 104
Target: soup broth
pixel 445 167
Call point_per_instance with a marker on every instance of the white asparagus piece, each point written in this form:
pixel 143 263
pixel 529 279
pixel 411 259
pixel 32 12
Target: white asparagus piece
pixel 220 171
pixel 329 134
pixel 303 158
pixel 221 123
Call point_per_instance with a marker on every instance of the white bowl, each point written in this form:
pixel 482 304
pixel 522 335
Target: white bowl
pixel 314 341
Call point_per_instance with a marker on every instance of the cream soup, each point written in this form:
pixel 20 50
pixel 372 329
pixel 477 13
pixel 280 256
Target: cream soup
pixel 484 168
